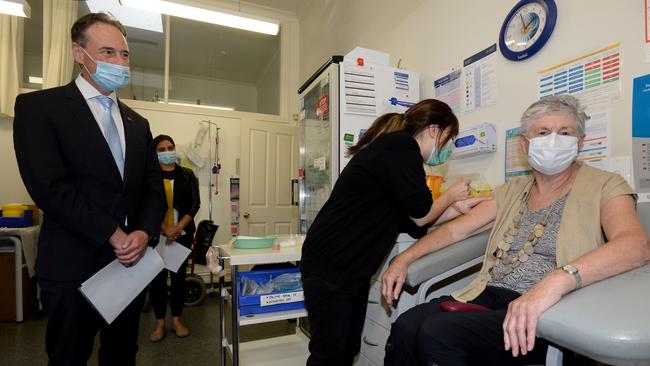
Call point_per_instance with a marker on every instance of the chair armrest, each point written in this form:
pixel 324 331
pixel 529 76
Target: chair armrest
pixel 436 263
pixel 608 321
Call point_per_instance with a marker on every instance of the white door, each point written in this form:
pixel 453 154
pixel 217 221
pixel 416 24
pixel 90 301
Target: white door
pixel 269 160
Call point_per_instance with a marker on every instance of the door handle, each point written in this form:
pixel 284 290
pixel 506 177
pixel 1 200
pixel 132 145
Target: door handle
pixel 294 183
pixel 246 215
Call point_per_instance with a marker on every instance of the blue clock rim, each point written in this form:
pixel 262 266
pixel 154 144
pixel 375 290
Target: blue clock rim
pixel 541 41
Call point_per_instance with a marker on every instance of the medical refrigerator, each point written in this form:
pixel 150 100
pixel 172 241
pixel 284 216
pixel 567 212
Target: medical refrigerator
pixel 337 104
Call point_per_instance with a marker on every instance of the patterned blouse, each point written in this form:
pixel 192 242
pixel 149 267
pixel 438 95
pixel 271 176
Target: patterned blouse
pixel 542 261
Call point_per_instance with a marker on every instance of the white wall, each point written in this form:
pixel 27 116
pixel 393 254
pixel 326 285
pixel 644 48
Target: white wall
pixel 431 36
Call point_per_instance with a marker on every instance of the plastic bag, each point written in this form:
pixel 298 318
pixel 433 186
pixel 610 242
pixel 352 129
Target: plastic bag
pixel 212 261
pixel 286 282
pixel 252 287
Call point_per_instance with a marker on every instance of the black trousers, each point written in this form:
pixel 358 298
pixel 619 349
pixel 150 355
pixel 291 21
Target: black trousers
pixel 73 324
pixel 424 335
pixel 158 290
pixel 336 315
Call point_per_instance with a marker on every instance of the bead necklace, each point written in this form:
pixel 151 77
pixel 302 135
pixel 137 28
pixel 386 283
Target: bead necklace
pixel 500 255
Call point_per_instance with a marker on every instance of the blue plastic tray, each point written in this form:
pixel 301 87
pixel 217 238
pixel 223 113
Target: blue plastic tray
pixel 252 304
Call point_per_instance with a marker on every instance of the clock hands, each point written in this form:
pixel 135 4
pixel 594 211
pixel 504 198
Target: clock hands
pixel 523 22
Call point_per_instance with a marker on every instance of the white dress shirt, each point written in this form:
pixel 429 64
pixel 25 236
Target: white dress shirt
pixel 89 93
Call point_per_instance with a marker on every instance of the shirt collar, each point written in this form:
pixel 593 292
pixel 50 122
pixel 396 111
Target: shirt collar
pixel 89 91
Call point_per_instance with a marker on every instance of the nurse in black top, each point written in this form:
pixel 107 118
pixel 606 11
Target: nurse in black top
pixel 380 193
pixel 182 196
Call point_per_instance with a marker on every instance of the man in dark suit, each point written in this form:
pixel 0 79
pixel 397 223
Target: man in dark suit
pixel 89 163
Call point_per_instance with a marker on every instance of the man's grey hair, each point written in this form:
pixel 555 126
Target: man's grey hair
pixel 557 104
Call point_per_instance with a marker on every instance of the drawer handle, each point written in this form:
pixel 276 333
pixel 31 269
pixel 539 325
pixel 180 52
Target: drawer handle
pixel 365 340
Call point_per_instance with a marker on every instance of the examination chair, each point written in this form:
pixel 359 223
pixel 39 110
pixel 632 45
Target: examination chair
pixel 608 321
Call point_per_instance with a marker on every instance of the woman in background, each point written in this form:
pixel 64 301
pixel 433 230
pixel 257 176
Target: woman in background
pixel 380 193
pixel 182 194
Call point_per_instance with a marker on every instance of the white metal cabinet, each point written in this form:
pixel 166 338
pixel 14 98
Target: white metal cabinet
pixel 380 315
pixel 378 310
pixel 363 361
pixel 373 341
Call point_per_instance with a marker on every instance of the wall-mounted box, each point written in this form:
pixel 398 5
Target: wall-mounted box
pixel 479 139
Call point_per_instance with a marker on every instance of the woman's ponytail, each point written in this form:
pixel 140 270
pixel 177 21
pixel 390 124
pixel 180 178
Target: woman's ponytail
pixel 420 116
pixel 388 122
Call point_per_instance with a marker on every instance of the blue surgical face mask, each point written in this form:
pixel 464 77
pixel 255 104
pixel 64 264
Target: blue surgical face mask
pixel 167 157
pixel 440 156
pixel 109 77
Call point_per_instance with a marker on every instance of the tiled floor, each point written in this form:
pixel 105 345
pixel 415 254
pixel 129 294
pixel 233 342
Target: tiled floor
pixel 24 343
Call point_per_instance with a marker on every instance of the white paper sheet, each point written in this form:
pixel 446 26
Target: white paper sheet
pixel 112 288
pixel 173 254
pixel 358 89
pixel 480 72
pixel 447 89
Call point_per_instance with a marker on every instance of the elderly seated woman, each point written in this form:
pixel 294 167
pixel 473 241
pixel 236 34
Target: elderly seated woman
pixel 566 226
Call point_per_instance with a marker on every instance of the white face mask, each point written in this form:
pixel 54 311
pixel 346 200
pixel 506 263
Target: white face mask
pixel 552 154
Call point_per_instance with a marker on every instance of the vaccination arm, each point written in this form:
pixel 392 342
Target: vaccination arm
pixel 459 191
pixel 481 216
pixel 460 208
pixel 628 248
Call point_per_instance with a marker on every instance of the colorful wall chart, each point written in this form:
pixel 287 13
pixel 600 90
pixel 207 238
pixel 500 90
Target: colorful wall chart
pixel 596 147
pixel 594 78
pixel 516 161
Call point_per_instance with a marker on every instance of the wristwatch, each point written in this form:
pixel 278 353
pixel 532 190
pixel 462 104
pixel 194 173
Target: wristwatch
pixel 573 271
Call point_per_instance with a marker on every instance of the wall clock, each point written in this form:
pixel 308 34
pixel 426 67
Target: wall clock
pixel 527 28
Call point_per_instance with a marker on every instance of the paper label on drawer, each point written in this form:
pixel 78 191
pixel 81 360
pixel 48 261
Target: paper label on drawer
pixel 274 299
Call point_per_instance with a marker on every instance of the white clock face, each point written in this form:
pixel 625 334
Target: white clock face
pixel 525 27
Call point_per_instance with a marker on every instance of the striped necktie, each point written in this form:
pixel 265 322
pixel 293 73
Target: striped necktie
pixel 111 134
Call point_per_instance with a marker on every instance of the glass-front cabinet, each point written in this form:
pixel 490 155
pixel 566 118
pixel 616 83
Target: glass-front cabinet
pixel 318 133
